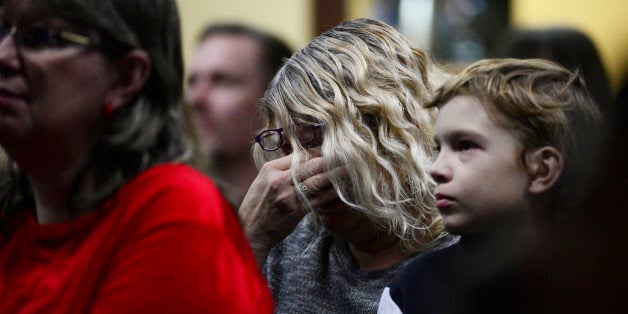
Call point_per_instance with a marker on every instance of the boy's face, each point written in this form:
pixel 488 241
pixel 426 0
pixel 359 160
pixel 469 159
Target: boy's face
pixel 480 179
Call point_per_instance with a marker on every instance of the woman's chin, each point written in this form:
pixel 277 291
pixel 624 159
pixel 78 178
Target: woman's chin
pixel 332 224
pixel 341 222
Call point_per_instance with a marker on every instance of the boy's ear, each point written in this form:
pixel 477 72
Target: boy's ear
pixel 133 70
pixel 546 166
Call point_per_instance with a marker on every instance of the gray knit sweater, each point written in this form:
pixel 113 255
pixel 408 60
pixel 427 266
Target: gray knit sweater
pixel 313 272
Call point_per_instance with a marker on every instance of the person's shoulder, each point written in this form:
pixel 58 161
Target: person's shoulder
pixel 171 174
pixel 427 261
pixel 174 177
pixel 170 186
pixel 425 266
pixel 443 241
pixel 427 283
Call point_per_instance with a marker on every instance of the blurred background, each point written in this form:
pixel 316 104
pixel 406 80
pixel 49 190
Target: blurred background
pixel 456 31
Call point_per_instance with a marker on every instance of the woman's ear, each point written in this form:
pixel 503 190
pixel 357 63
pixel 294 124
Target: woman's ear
pixel 133 70
pixel 546 166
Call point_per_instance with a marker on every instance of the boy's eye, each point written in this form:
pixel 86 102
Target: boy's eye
pixel 465 145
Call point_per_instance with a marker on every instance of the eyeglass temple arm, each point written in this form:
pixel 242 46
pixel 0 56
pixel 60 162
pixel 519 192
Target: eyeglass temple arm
pixel 75 38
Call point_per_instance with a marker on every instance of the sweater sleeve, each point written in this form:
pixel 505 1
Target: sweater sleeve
pixel 182 252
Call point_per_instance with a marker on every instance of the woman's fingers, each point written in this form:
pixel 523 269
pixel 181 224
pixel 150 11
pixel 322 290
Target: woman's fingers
pixel 309 168
pixel 323 197
pixel 272 207
pixel 319 187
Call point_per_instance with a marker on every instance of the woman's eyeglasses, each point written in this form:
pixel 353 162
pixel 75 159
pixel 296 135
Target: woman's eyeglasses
pixel 39 38
pixel 272 139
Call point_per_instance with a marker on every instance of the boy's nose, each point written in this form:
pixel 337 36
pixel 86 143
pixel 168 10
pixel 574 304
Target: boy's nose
pixel 439 171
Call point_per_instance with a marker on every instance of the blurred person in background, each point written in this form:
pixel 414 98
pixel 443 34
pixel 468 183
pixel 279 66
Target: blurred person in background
pixel 568 47
pixel 229 72
pixel 98 211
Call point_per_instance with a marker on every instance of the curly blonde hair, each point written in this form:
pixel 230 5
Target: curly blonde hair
pixel 366 84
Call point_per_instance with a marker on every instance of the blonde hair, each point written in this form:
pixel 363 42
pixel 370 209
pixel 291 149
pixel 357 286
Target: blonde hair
pixel 542 104
pixel 366 83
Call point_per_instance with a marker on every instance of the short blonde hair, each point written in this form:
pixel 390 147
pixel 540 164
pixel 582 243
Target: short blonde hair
pixel 366 83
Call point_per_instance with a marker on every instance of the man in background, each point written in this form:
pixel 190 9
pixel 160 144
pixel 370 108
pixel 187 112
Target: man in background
pixel 229 72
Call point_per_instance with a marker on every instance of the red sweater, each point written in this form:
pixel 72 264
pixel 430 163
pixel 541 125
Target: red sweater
pixel 167 242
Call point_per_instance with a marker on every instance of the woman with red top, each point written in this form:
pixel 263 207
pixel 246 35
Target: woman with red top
pixel 99 213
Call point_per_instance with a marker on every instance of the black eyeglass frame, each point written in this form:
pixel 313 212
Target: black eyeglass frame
pixel 314 127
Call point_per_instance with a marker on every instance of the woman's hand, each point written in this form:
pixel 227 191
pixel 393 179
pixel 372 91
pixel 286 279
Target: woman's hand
pixel 272 208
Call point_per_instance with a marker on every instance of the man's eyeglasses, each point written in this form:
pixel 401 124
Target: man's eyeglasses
pixel 39 38
pixel 272 139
